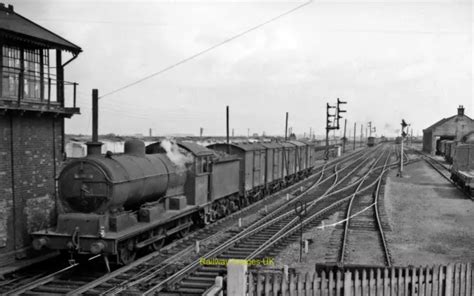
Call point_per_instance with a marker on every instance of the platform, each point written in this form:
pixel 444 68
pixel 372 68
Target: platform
pixel 432 221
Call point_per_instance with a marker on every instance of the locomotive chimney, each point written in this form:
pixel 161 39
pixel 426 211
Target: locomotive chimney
pixel 461 110
pixel 94 146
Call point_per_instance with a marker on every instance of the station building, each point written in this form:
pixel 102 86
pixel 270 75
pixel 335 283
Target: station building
pixel 456 128
pixel 35 99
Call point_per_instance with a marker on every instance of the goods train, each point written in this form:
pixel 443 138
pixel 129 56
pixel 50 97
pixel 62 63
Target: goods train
pixel 119 204
pixel 462 170
pixel 461 156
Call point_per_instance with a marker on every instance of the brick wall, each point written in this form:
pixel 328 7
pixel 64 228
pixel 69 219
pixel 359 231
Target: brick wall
pixel 30 155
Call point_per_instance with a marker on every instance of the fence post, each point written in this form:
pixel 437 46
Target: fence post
pixel 300 284
pixel 237 271
pixel 356 283
pixel 347 283
pixel 219 283
pixel 469 278
pixel 448 281
pixel 435 281
pixel 456 276
pixel 462 280
pixel 338 283
pixel 372 282
pixel 292 285
pixel 197 247
pixel 330 283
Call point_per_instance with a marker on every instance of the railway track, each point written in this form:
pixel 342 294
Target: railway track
pixel 61 281
pixel 265 238
pixel 363 223
pixel 75 280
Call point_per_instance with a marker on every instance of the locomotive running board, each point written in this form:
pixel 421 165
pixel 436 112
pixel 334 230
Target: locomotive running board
pixel 145 243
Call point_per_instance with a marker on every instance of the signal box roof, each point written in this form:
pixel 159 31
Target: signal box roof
pixel 18 28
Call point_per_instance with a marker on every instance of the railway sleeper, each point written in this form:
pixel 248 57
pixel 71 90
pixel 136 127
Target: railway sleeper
pixel 191 284
pixel 239 252
pixel 255 241
pixel 216 268
pixel 52 290
pixel 68 282
pixel 200 278
pixel 184 292
pixel 30 293
pixel 231 256
pixel 206 273
pixel 242 248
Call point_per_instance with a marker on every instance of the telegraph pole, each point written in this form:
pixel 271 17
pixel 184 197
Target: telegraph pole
pixel 354 144
pixel 361 134
pixel 286 127
pixel 227 129
pixel 344 138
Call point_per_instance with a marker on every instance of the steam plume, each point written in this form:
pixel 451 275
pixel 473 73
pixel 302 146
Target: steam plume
pixel 173 152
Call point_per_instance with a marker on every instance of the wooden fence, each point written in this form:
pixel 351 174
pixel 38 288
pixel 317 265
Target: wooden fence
pixel 450 280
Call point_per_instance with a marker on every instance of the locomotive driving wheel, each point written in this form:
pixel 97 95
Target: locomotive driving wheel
pixel 157 245
pixel 126 252
pixel 184 232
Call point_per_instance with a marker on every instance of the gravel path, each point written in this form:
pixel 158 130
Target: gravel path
pixel 432 222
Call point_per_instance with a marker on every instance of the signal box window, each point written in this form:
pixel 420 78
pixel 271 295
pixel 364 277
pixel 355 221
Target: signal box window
pixel 24 72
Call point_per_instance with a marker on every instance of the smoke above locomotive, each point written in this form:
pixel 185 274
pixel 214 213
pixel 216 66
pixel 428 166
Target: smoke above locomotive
pixel 178 157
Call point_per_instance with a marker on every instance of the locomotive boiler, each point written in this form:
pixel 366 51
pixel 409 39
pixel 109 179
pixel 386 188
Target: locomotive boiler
pixel 100 184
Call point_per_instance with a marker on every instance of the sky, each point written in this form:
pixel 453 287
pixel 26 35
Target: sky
pixel 389 59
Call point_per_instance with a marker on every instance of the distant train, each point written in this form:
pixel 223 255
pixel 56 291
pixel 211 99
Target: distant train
pixel 119 204
pixel 372 141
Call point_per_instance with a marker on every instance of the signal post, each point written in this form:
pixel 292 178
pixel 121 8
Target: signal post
pixel 332 124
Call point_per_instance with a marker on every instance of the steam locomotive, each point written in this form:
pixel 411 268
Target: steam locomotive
pixel 119 204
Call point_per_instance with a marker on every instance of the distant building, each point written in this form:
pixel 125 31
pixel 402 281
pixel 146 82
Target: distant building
pixel 33 96
pixel 451 128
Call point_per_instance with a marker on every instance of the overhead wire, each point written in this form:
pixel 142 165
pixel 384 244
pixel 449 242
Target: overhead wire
pixel 207 49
